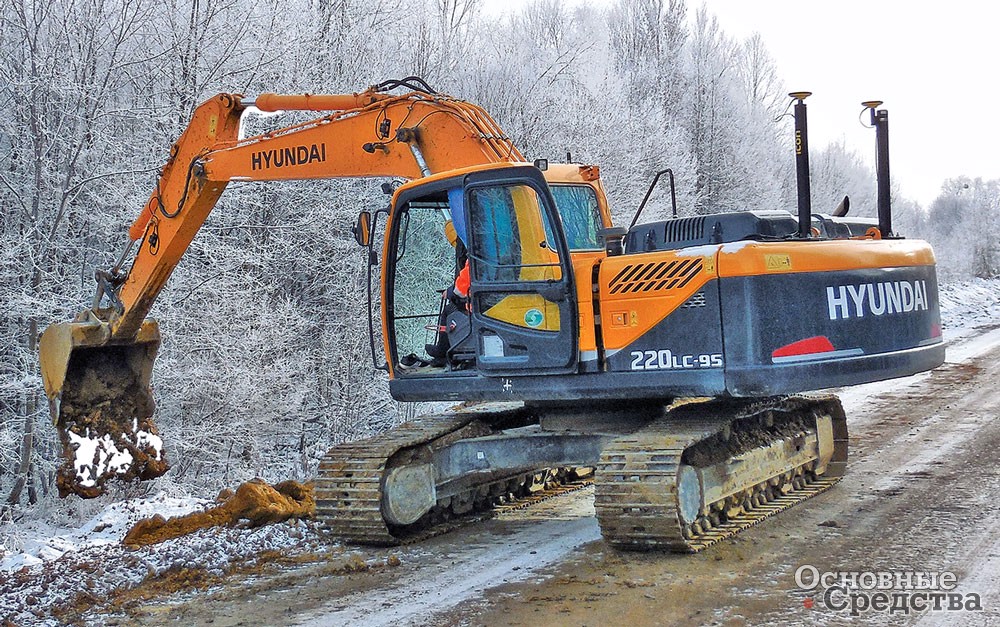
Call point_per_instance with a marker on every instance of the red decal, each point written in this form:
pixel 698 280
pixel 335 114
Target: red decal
pixel 808 346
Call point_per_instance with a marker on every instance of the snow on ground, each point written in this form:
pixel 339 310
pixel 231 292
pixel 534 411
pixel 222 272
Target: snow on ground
pixel 46 564
pixel 967 305
pixel 94 565
pixel 38 541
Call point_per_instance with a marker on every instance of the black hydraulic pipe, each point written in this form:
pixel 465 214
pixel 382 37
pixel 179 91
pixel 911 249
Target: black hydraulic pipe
pixel 649 192
pixel 802 163
pixel 673 194
pixel 880 120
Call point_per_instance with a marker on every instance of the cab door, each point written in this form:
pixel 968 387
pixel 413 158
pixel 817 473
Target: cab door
pixel 522 297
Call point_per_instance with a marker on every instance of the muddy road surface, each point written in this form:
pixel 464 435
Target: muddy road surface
pixel 922 495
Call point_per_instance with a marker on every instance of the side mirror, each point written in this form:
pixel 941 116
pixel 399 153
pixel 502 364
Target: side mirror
pixel 363 229
pixel 614 240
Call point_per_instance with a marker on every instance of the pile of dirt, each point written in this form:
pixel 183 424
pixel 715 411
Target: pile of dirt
pixel 254 501
pixel 105 425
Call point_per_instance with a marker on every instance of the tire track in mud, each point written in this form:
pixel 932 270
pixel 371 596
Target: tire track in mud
pixel 528 544
pixel 426 579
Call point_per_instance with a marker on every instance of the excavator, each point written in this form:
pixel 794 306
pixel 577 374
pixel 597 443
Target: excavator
pixel 670 357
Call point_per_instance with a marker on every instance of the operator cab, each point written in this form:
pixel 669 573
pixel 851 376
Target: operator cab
pixel 519 315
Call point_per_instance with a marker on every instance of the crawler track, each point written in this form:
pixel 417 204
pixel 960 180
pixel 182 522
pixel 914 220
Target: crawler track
pixel 349 484
pixel 350 481
pixel 636 498
pixel 638 495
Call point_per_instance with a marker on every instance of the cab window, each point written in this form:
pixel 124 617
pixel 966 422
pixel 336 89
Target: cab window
pixel 580 213
pixel 513 240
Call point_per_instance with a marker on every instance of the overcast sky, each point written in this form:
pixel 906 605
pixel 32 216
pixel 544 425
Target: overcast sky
pixel 934 66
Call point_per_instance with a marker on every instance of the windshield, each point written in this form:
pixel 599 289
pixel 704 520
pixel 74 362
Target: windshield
pixel 580 213
pixel 425 268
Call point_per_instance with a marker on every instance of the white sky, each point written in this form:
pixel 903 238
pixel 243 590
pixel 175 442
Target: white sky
pixel 934 65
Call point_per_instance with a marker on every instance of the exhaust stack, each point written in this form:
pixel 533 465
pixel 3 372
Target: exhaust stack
pixel 802 163
pixel 880 120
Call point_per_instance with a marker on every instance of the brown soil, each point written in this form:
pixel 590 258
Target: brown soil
pixel 254 501
pixel 185 580
pixel 103 400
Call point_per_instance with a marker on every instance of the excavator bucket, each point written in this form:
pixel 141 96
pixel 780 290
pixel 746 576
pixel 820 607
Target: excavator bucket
pixel 102 405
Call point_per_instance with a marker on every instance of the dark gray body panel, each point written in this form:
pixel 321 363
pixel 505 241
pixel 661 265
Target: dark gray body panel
pixel 750 336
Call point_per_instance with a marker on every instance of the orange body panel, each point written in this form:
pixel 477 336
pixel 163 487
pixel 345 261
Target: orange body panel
pixel 583 271
pixel 753 258
pixel 584 261
pixel 638 291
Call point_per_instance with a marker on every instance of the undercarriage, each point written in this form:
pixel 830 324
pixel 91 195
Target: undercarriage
pixel 676 476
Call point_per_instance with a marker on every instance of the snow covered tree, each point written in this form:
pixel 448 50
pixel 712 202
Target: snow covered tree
pixel 835 172
pixel 64 65
pixel 962 224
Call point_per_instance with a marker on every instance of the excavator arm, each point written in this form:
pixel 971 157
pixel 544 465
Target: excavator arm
pixel 96 369
pixel 368 135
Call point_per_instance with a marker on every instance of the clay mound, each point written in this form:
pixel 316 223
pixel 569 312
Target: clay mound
pixel 254 501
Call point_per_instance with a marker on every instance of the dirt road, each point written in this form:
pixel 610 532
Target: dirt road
pixel 922 493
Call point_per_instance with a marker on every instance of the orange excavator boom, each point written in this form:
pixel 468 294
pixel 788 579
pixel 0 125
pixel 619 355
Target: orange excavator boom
pixel 409 136
pixel 97 369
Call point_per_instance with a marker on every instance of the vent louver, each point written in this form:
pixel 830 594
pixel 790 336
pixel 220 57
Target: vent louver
pixel 655 276
pixel 684 229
